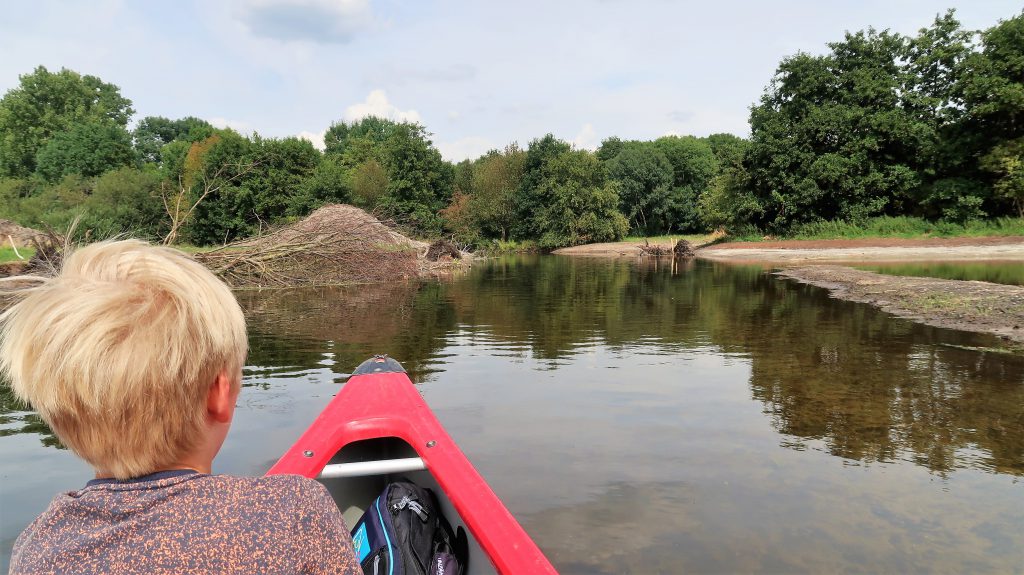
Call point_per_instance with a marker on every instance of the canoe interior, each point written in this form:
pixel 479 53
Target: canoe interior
pixel 354 494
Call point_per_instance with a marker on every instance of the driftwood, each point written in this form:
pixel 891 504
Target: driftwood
pixel 654 250
pixel 681 249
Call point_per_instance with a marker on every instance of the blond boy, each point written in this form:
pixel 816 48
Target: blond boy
pixel 133 356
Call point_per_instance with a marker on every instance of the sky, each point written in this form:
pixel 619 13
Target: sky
pixel 478 74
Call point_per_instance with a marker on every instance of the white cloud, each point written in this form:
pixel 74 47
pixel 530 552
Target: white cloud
pixel 317 139
pixel 465 148
pixel 377 104
pixel 236 125
pixel 586 139
pixel 319 21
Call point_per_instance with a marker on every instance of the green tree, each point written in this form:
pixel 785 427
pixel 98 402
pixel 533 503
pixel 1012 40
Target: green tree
pixel 125 201
pixel 87 149
pixel 283 165
pixel 419 181
pixel 1006 161
pixel 951 187
pixel 609 148
pixel 693 166
pixel 727 148
pixel 369 184
pixel 496 179
pixel 831 139
pixel 728 204
pixel 207 203
pixel 530 197
pixel 154 132
pixel 329 183
pixel 581 204
pixel 45 104
pixel 992 87
pixel 645 178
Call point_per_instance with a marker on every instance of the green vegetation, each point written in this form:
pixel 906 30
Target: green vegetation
pixel 7 254
pixel 883 134
pixel 1011 273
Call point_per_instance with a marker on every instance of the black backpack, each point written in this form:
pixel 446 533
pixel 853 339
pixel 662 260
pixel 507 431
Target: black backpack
pixel 404 533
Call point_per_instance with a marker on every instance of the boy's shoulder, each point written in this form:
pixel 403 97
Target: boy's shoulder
pixel 278 489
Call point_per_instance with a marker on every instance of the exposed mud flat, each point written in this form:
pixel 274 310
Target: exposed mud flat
pixel 965 305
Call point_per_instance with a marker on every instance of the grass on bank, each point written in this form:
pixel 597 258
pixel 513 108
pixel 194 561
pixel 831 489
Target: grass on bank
pixel 7 254
pixel 895 227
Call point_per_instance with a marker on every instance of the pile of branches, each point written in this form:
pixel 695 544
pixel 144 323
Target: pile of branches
pixel 337 244
pixel 654 250
pixel 682 248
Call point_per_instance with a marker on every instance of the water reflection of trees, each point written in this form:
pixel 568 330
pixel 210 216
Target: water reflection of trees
pixel 406 320
pixel 16 419
pixel 864 386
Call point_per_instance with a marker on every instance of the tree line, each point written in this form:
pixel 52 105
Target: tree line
pixel 930 126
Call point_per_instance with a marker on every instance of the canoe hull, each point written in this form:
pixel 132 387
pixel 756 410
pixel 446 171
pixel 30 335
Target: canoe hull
pixel 379 414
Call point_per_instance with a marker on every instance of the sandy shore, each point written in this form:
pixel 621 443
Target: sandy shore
pixel 880 249
pixel 790 252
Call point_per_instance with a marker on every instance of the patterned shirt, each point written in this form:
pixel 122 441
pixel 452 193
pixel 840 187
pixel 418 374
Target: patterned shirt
pixel 187 522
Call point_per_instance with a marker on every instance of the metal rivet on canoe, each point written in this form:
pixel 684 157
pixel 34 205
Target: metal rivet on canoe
pixel 307 453
pixel 431 443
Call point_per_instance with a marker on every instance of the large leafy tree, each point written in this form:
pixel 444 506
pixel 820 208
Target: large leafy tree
pixel 992 124
pixel 694 164
pixel 496 179
pixel 154 132
pixel 645 179
pixel 283 165
pixel 581 204
pixel 530 197
pixel 125 200
pixel 417 181
pixel 727 148
pixel 46 103
pixel 830 138
pixel 992 87
pixel 934 66
pixel 210 205
pixel 86 149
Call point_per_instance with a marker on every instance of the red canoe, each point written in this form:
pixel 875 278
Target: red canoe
pixel 378 428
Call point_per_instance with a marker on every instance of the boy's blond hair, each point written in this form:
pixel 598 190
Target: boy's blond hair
pixel 118 352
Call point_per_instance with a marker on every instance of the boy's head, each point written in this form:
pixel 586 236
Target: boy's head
pixel 118 353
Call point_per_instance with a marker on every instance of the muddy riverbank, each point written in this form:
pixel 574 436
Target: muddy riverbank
pixel 965 305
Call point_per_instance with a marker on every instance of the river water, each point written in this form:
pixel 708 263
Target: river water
pixel 651 416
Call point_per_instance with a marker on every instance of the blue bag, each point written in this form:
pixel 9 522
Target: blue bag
pixel 404 533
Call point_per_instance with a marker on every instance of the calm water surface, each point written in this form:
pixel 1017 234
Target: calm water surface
pixel 645 417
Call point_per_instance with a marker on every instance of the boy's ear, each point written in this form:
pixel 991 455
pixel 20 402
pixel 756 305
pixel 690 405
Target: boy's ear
pixel 220 401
